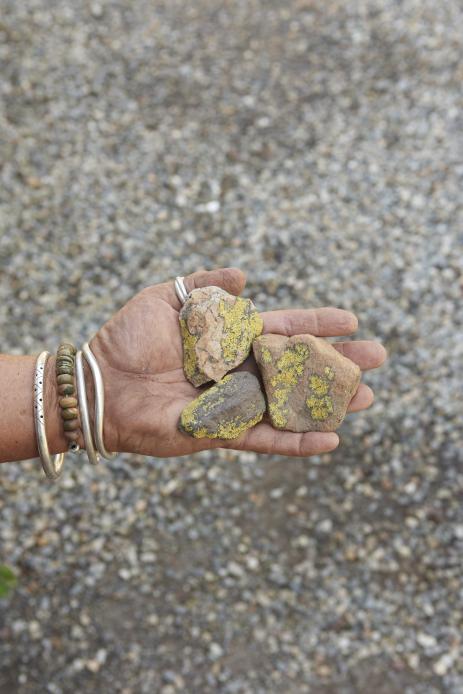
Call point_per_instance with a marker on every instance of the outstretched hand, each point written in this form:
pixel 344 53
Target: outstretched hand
pixel 140 354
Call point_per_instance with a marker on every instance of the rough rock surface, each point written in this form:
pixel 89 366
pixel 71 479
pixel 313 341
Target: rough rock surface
pixel 217 332
pixel 225 410
pixel 309 384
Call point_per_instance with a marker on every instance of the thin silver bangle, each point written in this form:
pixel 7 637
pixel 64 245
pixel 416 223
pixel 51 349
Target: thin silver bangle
pixel 93 456
pixel 99 402
pixel 52 465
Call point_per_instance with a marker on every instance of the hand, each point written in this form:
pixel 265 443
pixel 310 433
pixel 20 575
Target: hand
pixel 140 354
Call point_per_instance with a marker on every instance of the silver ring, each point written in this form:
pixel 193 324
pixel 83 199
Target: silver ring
pixel 180 290
pixel 93 456
pixel 52 465
pixel 99 402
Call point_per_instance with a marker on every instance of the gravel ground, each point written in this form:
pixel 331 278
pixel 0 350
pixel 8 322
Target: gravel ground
pixel 318 146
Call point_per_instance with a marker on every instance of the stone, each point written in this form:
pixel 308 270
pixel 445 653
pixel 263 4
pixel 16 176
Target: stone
pixel 308 383
pixel 217 331
pixel 70 413
pixel 72 435
pixel 62 369
pixel 64 378
pixel 226 409
pixel 67 347
pixel 66 389
pixel 65 352
pixel 68 401
pixel 71 424
pixel 63 359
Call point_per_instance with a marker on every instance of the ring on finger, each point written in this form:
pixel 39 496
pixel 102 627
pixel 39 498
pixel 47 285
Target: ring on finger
pixel 181 290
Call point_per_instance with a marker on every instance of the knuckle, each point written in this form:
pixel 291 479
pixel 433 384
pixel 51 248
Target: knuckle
pixel 317 322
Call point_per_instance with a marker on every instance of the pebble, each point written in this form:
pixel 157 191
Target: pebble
pixel 426 640
pixel 442 666
pixel 217 330
pixel 308 383
pixel 215 651
pixel 226 409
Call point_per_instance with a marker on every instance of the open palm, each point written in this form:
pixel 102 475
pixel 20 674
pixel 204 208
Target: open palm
pixel 140 353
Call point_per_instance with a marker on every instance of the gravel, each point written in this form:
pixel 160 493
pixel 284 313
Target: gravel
pixel 318 146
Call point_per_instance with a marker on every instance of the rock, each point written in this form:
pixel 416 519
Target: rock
pixel 226 409
pixel 309 384
pixel 217 331
pixel 215 651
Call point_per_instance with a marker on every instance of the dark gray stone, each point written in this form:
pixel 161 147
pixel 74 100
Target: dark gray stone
pixel 225 410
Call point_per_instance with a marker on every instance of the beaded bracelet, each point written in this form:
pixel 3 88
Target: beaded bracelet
pixel 65 364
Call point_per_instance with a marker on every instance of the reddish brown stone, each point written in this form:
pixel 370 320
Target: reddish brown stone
pixel 217 332
pixel 309 384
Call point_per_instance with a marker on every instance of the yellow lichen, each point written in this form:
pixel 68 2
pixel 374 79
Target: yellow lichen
pixel 329 372
pixel 319 385
pixel 199 433
pixel 188 416
pixel 319 402
pixel 189 355
pixel 320 407
pixel 277 415
pixel 233 429
pixel 242 324
pixel 265 355
pixel 290 368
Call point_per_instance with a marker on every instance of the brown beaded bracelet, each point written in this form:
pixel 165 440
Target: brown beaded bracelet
pixel 65 362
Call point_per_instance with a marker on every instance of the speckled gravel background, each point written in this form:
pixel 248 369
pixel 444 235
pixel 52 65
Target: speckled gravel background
pixel 318 145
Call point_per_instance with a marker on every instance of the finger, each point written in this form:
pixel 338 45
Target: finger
pixel 232 279
pixel 365 353
pixel 323 322
pixel 263 438
pixel 362 399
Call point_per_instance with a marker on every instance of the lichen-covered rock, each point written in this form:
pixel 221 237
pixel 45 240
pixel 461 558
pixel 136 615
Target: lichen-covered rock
pixel 225 410
pixel 217 331
pixel 308 383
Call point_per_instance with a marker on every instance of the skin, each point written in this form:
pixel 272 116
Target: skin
pixel 139 351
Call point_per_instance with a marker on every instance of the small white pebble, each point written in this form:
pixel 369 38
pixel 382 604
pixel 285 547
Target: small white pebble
pixel 443 665
pixel 426 640
pixel 215 651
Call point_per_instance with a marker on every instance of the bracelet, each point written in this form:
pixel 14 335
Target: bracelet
pixel 99 402
pixel 65 360
pixel 93 456
pixel 52 466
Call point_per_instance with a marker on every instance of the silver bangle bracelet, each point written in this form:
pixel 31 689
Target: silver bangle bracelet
pixel 99 402
pixel 52 465
pixel 93 456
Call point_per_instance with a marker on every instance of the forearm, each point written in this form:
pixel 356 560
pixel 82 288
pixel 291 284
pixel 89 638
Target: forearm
pixel 17 427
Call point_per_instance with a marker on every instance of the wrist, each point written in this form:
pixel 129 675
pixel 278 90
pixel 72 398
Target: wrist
pixel 18 439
